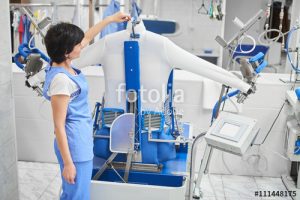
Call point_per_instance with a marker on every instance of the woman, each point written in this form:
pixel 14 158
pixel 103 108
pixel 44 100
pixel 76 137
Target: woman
pixel 66 88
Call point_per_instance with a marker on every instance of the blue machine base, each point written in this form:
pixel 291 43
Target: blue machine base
pixel 171 175
pixel 166 177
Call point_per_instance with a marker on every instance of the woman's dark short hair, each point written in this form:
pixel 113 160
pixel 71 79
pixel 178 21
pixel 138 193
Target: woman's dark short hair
pixel 61 39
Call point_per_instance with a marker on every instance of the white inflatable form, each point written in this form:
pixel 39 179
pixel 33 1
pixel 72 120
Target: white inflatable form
pixel 158 56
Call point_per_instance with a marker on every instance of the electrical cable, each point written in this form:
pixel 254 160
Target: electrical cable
pixel 30 41
pixel 232 102
pixel 270 40
pixel 231 94
pixel 225 165
pixel 297 150
pixel 270 129
pixel 276 153
pixel 295 68
pixel 260 145
pixel 235 105
pixel 240 42
pixel 226 94
pixel 191 158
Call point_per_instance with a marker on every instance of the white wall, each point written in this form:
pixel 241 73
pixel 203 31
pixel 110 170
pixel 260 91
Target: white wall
pixel 197 31
pixel 263 105
pixel 35 129
pixel 34 124
pixel 8 163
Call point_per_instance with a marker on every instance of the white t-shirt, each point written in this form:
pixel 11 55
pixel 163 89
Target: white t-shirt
pixel 62 85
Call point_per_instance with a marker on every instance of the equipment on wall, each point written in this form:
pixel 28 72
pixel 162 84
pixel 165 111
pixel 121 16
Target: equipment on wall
pixel 203 10
pixel 292 141
pixel 277 24
pixel 214 11
pixel 234 42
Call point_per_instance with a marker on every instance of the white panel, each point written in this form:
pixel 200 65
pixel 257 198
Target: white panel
pixel 34 129
pixel 5 56
pixel 36 150
pixel 35 140
pixel 96 87
pixel 9 183
pixel 8 168
pixel 36 108
pixel 265 119
pixel 267 96
pixel 191 95
pixel 6 99
pixel 6 152
pixel 5 72
pixel 7 126
pixel 19 86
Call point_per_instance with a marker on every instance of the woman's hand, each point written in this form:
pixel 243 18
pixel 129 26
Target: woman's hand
pixel 119 17
pixel 69 173
pixel 95 30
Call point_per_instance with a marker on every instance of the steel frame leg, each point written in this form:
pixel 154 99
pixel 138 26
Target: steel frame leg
pixel 105 166
pixel 203 169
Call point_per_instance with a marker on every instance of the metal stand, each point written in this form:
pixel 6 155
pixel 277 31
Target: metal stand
pixel 105 166
pixel 290 185
pixel 130 146
pixel 197 194
pixel 129 156
pixel 293 79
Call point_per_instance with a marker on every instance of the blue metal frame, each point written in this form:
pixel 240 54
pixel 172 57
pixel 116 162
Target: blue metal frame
pixel 97 111
pixel 170 93
pixel 132 79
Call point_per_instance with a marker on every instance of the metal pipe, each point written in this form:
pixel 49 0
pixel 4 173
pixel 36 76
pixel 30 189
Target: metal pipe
pixel 91 16
pixel 167 141
pixel 220 100
pixel 51 5
pixel 101 136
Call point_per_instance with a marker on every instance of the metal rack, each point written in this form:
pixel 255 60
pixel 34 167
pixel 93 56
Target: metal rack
pixel 52 4
pixel 91 6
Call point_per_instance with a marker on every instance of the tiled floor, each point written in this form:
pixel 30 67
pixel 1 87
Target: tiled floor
pixel 41 181
pixel 38 181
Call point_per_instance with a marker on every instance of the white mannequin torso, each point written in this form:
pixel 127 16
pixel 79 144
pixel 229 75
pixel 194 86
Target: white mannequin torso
pixel 158 55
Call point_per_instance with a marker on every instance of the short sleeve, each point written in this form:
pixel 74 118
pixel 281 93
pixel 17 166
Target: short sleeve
pixel 61 85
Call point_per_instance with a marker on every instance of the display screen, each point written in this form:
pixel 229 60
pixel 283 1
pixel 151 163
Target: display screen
pixel 229 130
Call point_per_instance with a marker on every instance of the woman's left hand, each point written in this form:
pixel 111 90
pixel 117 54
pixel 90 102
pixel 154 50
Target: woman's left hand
pixel 120 17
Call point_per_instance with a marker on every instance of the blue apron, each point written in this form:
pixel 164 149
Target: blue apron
pixel 79 130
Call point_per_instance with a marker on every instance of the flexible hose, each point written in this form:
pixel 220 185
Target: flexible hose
pixel 240 42
pixel 287 50
pixel 191 162
pixel 231 94
pixel 270 40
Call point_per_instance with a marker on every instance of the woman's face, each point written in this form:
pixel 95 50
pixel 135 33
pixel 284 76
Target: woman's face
pixel 75 53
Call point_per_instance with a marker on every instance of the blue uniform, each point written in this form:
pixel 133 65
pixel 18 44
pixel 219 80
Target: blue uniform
pixel 79 135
